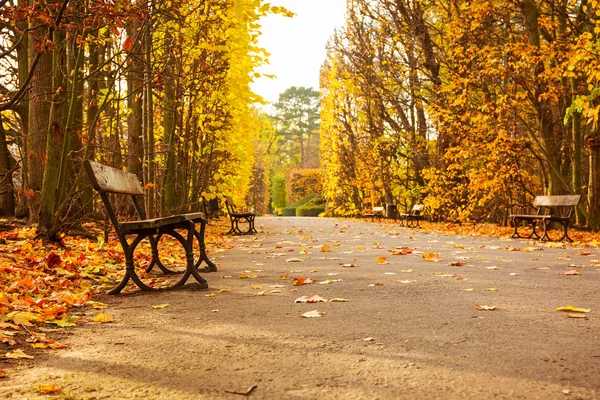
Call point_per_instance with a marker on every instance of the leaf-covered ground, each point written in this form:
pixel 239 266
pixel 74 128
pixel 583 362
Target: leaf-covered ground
pixel 309 308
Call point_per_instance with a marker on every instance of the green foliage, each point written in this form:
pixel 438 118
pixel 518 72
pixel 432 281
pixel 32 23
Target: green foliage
pixel 313 207
pixel 304 200
pixel 278 191
pixel 288 212
pixel 310 211
pixel 297 122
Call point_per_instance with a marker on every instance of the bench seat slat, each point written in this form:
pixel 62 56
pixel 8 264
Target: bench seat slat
pixel 154 223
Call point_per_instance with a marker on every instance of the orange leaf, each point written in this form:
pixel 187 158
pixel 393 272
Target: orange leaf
pixel 127 44
pixel 434 257
pixel 382 260
pixel 325 249
pixel 47 389
pixel 573 272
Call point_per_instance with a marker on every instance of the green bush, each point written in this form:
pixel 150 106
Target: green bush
pixel 278 191
pixel 288 212
pixel 310 210
pixel 304 200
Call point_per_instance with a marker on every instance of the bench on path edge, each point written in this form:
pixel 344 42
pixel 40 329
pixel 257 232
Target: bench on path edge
pixel 376 212
pixel 412 218
pixel 108 180
pixel 236 217
pixel 549 209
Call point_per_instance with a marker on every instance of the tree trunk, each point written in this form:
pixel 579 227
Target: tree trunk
pixel 7 196
pixel 39 111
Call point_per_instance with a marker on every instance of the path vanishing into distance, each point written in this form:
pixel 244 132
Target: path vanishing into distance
pixel 476 320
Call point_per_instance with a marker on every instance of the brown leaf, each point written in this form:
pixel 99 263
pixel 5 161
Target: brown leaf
pixel 573 272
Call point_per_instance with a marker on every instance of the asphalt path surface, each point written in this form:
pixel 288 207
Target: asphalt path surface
pixel 418 315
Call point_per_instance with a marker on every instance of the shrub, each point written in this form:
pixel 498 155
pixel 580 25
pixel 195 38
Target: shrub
pixel 310 210
pixel 278 191
pixel 304 200
pixel 288 212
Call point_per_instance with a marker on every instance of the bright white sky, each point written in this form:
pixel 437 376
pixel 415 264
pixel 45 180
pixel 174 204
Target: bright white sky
pixel 297 45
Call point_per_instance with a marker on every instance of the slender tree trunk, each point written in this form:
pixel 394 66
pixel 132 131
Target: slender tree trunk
pixel 7 196
pixel 41 95
pixel 135 86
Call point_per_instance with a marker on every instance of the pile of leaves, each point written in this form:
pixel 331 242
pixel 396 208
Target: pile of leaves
pixel 48 286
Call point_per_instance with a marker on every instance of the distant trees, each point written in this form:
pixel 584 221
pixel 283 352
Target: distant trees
pixel 469 106
pixel 161 88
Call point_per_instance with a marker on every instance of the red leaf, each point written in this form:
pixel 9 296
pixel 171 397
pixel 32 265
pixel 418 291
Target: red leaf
pixel 53 260
pixel 127 44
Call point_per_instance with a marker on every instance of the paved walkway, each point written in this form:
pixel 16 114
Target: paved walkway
pixel 410 327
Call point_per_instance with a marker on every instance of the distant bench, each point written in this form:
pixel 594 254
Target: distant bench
pixel 376 212
pixel 550 210
pixel 412 218
pixel 111 180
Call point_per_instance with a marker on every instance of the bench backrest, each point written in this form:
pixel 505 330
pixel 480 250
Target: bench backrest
pixel 112 180
pixel 417 209
pixel 230 205
pixel 107 180
pixel 557 201
pixel 563 204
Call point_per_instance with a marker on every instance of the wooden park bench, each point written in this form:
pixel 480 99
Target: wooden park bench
pixel 236 217
pixel 550 211
pixel 412 218
pixel 107 180
pixel 375 212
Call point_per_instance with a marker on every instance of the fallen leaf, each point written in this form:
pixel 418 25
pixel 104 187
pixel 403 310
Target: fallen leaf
pixel 225 290
pixel 313 299
pixel 573 272
pixel 467 290
pixel 486 308
pixel 433 257
pixel 246 393
pixel 313 314
pixel 574 309
pixel 457 263
pixel 571 315
pixel 492 289
pixel 349 265
pixel 96 304
pixel 18 354
pixel 3 374
pixel 338 300
pixel 406 281
pixel 102 318
pixel 369 339
pixel 261 293
pixel 161 306
pixel 48 389
pixel 294 260
pixel 325 249
pixel 493 267
pixel 382 260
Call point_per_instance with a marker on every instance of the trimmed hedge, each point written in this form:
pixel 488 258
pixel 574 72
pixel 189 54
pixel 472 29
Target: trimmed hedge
pixel 288 212
pixel 310 210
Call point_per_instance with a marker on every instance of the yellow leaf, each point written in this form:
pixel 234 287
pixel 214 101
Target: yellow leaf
pixel 161 306
pixel 467 290
pixel 574 309
pixel 102 318
pixel 382 260
pixel 224 290
pixel 433 257
pixel 17 354
pixel 39 346
pixel 325 249
pixel 96 304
